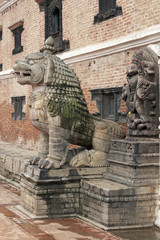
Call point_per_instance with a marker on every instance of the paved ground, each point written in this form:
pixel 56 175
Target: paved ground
pixel 15 225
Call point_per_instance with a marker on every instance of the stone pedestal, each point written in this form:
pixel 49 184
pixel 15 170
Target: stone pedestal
pixel 54 193
pixel 123 195
pixel 49 199
pixel 134 162
pixel 115 205
pixel 128 195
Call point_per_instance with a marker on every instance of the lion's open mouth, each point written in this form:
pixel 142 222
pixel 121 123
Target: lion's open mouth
pixel 23 77
pixel 23 74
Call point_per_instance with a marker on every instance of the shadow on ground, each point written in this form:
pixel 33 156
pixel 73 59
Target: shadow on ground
pixel 139 234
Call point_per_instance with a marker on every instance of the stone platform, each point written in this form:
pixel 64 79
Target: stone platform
pixel 122 195
pixel 15 225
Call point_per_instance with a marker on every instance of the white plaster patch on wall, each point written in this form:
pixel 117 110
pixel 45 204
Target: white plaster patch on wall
pixel 7 4
pixel 7 72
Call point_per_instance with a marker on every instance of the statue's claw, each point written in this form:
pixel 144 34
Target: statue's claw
pixel 90 158
pixel 34 160
pixel 74 162
pixel 80 160
pixel 47 164
pixel 43 163
pixel 50 166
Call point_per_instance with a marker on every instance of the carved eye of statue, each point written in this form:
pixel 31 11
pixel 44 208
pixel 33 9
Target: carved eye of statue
pixel 31 62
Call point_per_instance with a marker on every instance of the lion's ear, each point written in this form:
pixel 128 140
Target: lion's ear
pixel 49 71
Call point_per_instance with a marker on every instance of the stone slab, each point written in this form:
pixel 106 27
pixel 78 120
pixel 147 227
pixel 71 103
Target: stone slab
pixel 69 173
pixel 134 162
pixel 116 205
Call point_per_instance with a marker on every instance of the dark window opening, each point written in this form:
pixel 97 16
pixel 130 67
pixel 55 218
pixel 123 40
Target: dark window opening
pixel 107 9
pixel 108 101
pixel 0 35
pixel 17 32
pixel 56 20
pixel 104 5
pixel 1 67
pixel 18 103
pixel 53 24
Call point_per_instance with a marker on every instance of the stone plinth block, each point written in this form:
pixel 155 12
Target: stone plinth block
pixel 134 162
pixel 49 199
pixel 64 174
pixel 116 205
pixel 54 193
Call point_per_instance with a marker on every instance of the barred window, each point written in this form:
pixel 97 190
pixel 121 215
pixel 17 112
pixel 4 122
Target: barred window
pixel 18 103
pixel 56 21
pixel 108 102
pixel 0 35
pixel 17 32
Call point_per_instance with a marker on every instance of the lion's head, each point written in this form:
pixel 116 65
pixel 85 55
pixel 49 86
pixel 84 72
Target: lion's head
pixel 62 86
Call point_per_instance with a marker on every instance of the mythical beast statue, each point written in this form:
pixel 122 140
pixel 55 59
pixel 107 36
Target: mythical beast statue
pixel 59 111
pixel 141 93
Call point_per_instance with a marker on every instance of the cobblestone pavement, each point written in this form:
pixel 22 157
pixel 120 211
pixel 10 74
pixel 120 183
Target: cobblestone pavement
pixel 15 225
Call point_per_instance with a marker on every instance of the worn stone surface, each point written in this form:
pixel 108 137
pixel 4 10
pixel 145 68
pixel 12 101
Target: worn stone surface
pixel 84 192
pixel 16 225
pixel 59 110
pixel 13 159
pixel 134 162
pixel 116 205
pixel 67 173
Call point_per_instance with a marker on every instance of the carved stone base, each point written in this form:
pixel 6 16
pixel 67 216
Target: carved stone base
pixel 54 193
pixel 115 205
pixel 49 199
pixel 85 193
pixel 36 174
pixel 144 133
pixel 104 203
pixel 134 162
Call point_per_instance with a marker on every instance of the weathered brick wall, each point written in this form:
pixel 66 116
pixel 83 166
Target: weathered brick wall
pixel 78 17
pixel 18 131
pixel 103 72
pixel 32 36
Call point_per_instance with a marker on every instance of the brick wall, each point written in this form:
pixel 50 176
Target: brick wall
pixel 78 18
pixel 19 131
pixel 32 36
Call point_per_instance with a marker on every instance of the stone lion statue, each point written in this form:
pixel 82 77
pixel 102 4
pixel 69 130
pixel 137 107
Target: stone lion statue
pixel 59 111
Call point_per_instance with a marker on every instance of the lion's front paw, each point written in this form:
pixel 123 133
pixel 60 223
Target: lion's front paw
pixel 34 160
pixel 90 158
pixel 43 163
pixel 48 164
pixel 80 160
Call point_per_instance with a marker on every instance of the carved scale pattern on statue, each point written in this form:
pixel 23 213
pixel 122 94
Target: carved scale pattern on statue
pixel 59 110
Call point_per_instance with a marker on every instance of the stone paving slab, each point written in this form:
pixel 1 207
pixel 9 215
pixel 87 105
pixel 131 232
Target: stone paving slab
pixel 15 225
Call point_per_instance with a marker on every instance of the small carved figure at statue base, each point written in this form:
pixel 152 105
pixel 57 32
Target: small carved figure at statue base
pixel 59 111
